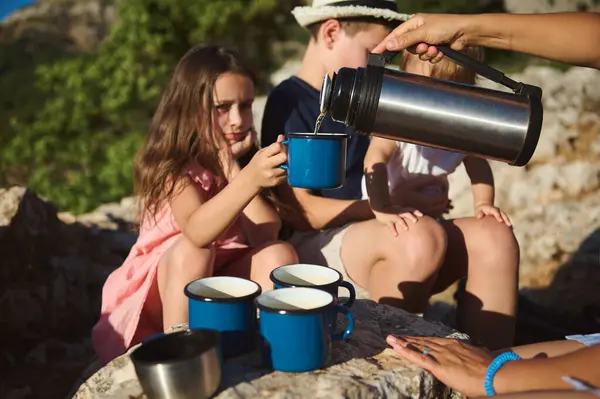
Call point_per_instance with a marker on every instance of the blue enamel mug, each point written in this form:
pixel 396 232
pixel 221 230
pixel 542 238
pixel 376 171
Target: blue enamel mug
pixel 316 161
pixel 313 276
pixel 294 328
pixel 225 304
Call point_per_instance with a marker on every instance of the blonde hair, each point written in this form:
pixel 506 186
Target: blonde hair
pixel 447 69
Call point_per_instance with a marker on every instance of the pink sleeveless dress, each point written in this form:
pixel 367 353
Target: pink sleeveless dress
pixel 131 308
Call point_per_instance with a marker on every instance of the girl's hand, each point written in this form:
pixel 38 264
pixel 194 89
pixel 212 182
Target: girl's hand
pixel 458 365
pixel 264 168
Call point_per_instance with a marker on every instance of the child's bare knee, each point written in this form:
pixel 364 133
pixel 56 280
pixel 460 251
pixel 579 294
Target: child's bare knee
pixel 286 252
pixel 422 247
pixel 188 260
pixel 501 233
pixel 491 233
pixel 494 237
pixel 428 239
pixel 280 253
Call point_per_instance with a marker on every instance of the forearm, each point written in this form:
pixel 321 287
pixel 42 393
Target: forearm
pixel 376 173
pixel 326 213
pixel 483 194
pixel 563 37
pixel 546 374
pixel 482 180
pixel 376 179
pixel 560 394
pixel 216 215
pixel 318 213
pixel 546 349
pixel 261 222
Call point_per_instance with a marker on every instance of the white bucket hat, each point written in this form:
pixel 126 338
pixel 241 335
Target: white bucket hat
pixel 322 10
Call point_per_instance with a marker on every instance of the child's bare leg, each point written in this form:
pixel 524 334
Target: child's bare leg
pixel 397 271
pixel 487 252
pixel 179 265
pixel 258 264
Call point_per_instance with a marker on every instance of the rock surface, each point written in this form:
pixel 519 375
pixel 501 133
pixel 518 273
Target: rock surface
pixel 76 25
pixel 554 201
pixel 54 265
pixel 360 367
pixel 51 276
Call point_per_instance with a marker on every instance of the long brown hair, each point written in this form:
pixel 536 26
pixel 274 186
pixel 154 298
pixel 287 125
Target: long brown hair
pixel 181 131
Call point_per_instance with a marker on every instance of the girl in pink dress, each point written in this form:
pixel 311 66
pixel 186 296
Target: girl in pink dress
pixel 202 214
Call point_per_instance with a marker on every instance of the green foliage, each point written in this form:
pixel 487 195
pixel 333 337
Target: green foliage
pixel 70 124
pixel 70 127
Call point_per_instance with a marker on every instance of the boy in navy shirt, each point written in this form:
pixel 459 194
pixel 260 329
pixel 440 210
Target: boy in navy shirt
pixel 336 228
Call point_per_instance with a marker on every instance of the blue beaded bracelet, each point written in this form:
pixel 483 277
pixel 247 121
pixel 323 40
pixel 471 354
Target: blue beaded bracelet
pixel 496 364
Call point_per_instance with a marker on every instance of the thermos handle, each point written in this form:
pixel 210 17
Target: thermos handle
pixel 388 56
pixel 480 68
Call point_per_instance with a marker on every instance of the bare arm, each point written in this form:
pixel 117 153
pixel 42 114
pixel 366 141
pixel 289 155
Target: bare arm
pixel 566 37
pixel 463 367
pixel 375 166
pixel 545 349
pixel 545 374
pixel 549 395
pixel 260 221
pixel 482 180
pixel 318 213
pixel 203 222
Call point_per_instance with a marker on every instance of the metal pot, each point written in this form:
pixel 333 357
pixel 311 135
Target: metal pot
pixel 182 365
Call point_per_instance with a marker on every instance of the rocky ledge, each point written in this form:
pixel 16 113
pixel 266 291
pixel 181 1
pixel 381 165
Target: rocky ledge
pixel 54 264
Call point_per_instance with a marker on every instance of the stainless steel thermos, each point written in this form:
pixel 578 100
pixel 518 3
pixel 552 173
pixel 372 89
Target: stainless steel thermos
pixel 491 124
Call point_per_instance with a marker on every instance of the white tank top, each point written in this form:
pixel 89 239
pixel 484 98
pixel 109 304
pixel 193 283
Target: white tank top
pixel 412 160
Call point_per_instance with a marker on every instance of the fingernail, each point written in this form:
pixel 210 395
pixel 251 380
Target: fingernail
pixel 392 340
pixel 391 44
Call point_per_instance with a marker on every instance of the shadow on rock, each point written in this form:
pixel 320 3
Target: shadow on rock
pixel 570 304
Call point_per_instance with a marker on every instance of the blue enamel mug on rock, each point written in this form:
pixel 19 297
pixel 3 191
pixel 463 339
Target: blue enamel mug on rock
pixel 313 276
pixel 225 304
pixel 294 328
pixel 316 161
